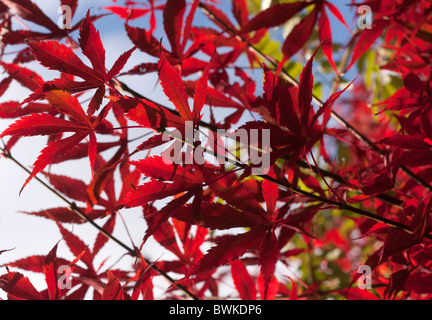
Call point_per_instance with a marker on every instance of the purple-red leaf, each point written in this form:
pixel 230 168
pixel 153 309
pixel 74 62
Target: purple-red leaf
pixel 225 251
pixel 366 39
pixel 243 282
pixel 28 10
pixel 57 56
pixel 413 83
pixel 19 286
pixel 113 289
pixel 92 47
pixel 173 15
pixel 274 16
pixel 219 216
pixel 173 87
pixel 268 256
pixel 41 124
pixel 156 168
pixel 305 91
pixel 299 35
pixel 50 271
pixel 144 40
pixel 65 215
pixel 120 63
pixel 325 36
pixel 406 142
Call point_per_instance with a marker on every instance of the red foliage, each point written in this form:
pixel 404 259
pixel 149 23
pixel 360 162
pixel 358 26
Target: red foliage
pixel 365 200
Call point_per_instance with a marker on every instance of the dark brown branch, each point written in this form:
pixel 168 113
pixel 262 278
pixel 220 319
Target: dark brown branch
pixel 342 206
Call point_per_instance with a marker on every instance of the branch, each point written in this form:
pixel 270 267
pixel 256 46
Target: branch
pixel 72 206
pixel 342 205
pixel 275 63
pixel 335 177
pixel 389 199
pixel 337 204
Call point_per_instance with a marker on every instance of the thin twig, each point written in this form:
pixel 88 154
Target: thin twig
pixel 73 207
pixel 300 163
pixel 275 64
pixel 337 204
pixel 342 205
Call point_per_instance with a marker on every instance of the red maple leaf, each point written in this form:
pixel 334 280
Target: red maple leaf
pixel 46 124
pixel 57 56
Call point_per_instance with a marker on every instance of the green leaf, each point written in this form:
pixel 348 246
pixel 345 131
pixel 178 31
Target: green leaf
pixel 269 47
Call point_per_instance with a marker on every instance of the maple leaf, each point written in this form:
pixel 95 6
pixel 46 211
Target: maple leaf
pixel 274 16
pixel 185 185
pixel 77 246
pixel 18 286
pixel 376 181
pixel 261 224
pixel 149 114
pixel 177 237
pixel 145 41
pixel 45 124
pixel 48 265
pixel 418 282
pixel 268 256
pixel 144 284
pixel 288 112
pixel 173 24
pixel 177 29
pixel 397 283
pixel 244 283
pixel 268 291
pixel 65 215
pixel 57 56
pixel 278 14
pixel 29 11
pixel 24 76
pixel 173 87
pixel 418 212
pixel 395 241
pixel 224 252
pixel 217 216
pixel 51 276
pixel 11 109
pixel 240 12
pixel 129 13
pixel 113 289
pixel 366 38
